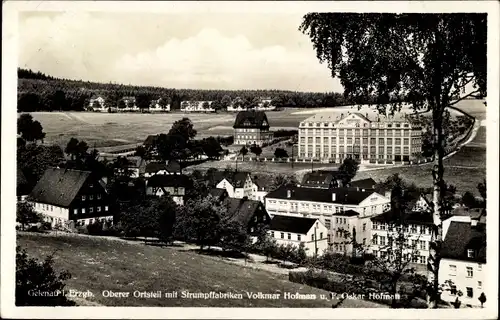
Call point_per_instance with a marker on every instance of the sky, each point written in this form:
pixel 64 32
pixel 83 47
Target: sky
pixel 181 50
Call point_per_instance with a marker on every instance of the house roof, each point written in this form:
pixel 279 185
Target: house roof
pixel 251 119
pixel 337 116
pixel 368 183
pixel 462 236
pixel 21 178
pixel 155 167
pixel 342 195
pixel 59 186
pixel 261 183
pixel 414 217
pixel 347 213
pixel 218 193
pixel 242 210
pixel 237 179
pixel 300 225
pixel 168 180
pixel 317 179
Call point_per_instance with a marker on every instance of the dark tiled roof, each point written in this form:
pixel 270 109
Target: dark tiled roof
pixel 218 193
pixel 416 217
pixel 237 179
pixel 155 167
pixel 242 210
pixel 460 237
pixel 317 179
pixel 168 180
pixel 363 183
pixel 251 119
pixel 261 183
pixel 21 178
pixel 342 195
pixel 298 225
pixel 348 213
pixel 59 186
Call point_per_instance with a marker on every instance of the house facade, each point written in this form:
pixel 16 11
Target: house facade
pixel 174 185
pixel 321 179
pixel 97 103
pixel 251 128
pixel 68 197
pixel 197 106
pixel 296 230
pixel 345 213
pixel 385 140
pixel 237 184
pixel 463 261
pixel 260 188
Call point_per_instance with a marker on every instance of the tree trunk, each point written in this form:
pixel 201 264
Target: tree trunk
pixel 438 182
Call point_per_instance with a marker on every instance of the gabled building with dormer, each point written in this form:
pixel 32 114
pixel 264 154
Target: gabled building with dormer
pixel 251 128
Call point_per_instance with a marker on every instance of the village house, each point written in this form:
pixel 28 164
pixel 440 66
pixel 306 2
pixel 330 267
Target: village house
pixel 129 104
pixel 197 106
pixel 260 188
pixel 345 213
pixel 321 179
pixel 174 185
pixel 251 128
pixel 156 106
pixel 416 229
pixel 67 197
pixel 136 166
pixel 250 213
pixel 237 184
pixel 463 259
pixel 97 103
pixel 296 230
pixel 363 184
pixel 219 194
pixel 154 168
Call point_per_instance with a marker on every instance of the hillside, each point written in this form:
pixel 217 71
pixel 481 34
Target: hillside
pixel 98 264
pixel 40 92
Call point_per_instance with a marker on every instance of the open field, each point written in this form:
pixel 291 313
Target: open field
pixel 101 264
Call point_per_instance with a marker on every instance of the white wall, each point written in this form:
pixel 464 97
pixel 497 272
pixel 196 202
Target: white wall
pixel 462 281
pixel 308 239
pixel 224 184
pixel 58 214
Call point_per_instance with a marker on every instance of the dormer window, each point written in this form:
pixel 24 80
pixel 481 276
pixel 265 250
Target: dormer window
pixel 470 253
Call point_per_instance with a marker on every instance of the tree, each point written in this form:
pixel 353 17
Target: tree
pixel 122 104
pixel 232 235
pixel 143 101
pixel 243 151
pixel 141 152
pixel 348 170
pixel 183 128
pixel 33 160
pixel 280 153
pixel 257 150
pixel 32 275
pixel 469 200
pixel 482 299
pixel 205 105
pixel 26 214
pixel 72 148
pixel 29 130
pixel 432 60
pixel 283 180
pixel 225 102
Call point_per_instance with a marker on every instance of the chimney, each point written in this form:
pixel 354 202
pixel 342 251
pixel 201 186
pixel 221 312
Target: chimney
pixel 334 196
pixel 289 193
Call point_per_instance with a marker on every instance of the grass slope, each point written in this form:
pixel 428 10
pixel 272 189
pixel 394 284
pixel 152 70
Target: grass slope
pixel 101 264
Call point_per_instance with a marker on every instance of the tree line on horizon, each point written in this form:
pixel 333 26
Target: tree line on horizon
pixel 40 92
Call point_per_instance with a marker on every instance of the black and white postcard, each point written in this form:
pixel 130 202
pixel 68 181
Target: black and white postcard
pixel 250 160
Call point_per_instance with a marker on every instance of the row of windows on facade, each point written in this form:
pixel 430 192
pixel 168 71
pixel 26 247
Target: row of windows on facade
pixel 469 291
pixel 470 270
pixel 294 206
pixel 414 229
pixel 359 132
pixel 388 157
pixel 247 130
pixel 358 141
pixel 365 125
pixel 91 197
pixel 357 149
pixel 91 209
pixel 299 237
pixel 407 243
pixel 406 257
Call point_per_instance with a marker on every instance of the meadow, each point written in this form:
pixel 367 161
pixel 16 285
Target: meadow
pixel 98 264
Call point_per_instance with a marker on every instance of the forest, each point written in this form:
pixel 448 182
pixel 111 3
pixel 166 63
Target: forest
pixel 40 92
